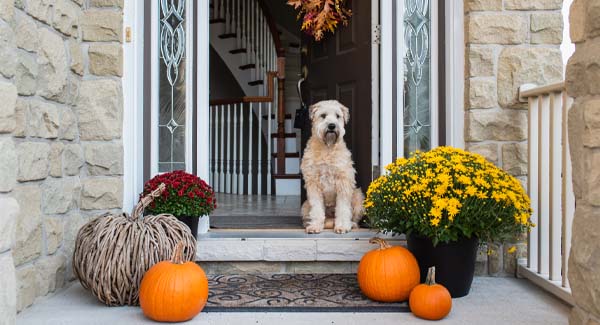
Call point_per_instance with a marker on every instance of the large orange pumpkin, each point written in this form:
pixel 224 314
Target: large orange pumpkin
pixel 173 291
pixel 430 300
pixel 387 274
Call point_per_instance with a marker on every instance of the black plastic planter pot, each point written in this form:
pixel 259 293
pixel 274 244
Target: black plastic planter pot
pixel 192 223
pixel 454 262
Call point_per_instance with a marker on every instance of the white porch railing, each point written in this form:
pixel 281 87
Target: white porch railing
pixel 550 189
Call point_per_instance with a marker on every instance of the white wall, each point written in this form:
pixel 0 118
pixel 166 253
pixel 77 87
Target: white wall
pixel 566 47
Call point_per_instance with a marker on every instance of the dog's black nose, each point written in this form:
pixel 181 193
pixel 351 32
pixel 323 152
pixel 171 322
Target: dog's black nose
pixel 331 126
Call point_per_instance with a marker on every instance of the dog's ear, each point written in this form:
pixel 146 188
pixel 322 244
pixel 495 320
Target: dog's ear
pixel 311 110
pixel 345 113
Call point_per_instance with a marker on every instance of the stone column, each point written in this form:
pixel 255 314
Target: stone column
pixel 583 83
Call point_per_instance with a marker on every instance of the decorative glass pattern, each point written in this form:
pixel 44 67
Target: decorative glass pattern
pixel 172 94
pixel 417 80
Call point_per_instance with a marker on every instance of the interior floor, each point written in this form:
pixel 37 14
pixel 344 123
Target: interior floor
pixel 256 212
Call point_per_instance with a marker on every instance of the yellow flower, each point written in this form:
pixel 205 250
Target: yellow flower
pixel 512 250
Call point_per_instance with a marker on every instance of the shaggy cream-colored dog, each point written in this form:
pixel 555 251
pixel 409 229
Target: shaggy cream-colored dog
pixel 333 201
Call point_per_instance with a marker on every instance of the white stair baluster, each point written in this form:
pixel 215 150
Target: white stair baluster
pixel 250 176
pixel 241 167
pixel 210 152
pixel 259 146
pixel 222 151
pixel 235 150
pixel 269 153
pixel 228 151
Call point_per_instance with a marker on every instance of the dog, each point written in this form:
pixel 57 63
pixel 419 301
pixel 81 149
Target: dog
pixel 333 200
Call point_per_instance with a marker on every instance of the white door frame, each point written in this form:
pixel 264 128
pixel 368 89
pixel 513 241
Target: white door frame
pixel 382 59
pixel 133 106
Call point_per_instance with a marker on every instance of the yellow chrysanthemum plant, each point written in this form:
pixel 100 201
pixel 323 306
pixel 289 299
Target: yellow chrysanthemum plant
pixel 446 194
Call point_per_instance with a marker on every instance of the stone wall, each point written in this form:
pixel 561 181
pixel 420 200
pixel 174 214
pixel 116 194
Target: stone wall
pixel 60 131
pixel 508 43
pixel 583 83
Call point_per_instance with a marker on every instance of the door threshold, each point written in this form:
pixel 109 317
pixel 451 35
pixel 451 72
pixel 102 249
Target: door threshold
pixel 291 233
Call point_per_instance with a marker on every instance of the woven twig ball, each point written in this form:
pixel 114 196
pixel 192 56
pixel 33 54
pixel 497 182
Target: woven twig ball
pixel 113 252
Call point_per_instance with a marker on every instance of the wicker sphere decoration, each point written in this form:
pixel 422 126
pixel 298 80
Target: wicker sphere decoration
pixel 113 252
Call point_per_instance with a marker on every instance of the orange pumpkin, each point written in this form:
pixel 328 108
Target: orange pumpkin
pixel 387 274
pixel 173 291
pixel 430 300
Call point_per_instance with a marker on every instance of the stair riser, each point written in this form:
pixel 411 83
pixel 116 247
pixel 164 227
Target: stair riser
pixel 290 145
pixel 287 187
pixel 292 165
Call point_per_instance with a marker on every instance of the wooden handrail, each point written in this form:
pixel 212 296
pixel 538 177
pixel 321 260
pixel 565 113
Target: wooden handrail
pixel 527 91
pixel 272 27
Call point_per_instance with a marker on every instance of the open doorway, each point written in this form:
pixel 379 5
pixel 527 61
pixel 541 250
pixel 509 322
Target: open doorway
pixel 254 149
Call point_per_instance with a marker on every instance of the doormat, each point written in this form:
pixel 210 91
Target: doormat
pixel 292 293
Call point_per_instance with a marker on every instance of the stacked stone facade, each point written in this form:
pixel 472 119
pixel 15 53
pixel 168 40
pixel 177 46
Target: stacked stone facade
pixel 508 43
pixel 61 153
pixel 583 84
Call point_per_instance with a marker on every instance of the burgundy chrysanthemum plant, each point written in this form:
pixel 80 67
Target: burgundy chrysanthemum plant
pixel 186 195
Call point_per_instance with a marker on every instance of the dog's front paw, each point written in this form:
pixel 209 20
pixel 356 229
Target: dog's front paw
pixel 314 228
pixel 342 229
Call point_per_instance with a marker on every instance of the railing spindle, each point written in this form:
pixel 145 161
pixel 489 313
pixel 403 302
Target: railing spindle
pixel 222 151
pixel 532 181
pixel 241 174
pixel 250 137
pixel 228 152
pixel 555 186
pixel 269 153
pixel 259 144
pixel 544 188
pixel 235 150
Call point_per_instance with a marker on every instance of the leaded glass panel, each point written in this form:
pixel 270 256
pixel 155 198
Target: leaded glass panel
pixel 417 76
pixel 172 84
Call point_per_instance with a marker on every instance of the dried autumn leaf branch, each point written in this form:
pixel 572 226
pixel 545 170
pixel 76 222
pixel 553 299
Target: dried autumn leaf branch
pixel 320 16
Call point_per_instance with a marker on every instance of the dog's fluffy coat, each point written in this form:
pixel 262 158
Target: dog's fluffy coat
pixel 328 171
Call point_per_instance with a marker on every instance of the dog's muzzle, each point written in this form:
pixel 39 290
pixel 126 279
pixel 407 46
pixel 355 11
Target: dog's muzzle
pixel 331 134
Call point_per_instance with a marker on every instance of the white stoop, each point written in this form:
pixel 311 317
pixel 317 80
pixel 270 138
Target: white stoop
pixel 292 245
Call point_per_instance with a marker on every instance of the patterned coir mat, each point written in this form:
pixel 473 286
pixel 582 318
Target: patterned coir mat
pixel 292 293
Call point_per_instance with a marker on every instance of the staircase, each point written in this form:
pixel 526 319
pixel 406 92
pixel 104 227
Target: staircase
pixel 254 148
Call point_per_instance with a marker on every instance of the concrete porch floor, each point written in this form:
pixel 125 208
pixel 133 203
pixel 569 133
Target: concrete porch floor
pixel 491 301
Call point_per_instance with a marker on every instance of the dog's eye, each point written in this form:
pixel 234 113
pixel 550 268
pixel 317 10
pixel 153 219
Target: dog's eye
pixel 337 116
pixel 323 115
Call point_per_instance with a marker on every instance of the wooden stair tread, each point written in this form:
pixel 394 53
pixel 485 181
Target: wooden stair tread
pixel 228 35
pixel 237 51
pixel 256 82
pixel 288 154
pixel 288 116
pixel 285 135
pixel 247 66
pixel 287 176
pixel 217 20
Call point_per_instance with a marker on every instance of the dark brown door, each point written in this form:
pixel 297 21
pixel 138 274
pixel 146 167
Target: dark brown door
pixel 339 67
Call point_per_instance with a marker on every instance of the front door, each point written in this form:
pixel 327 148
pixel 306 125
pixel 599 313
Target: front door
pixel 339 67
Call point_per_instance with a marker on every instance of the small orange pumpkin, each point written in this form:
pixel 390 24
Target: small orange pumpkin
pixel 387 273
pixel 173 291
pixel 430 300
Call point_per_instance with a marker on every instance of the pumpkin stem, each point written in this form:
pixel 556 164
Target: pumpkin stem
pixel 382 243
pixel 177 257
pixel 430 280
